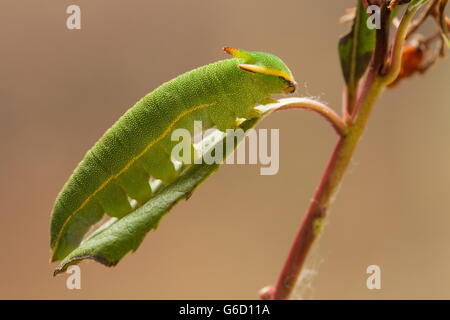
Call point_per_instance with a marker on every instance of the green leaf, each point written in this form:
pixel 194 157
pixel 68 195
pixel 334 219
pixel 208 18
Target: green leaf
pixel 447 40
pixel 117 237
pixel 356 48
pixel 416 4
pixel 443 23
pixel 109 245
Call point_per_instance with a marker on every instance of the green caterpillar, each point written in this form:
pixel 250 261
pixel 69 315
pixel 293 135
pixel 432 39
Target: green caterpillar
pixel 138 146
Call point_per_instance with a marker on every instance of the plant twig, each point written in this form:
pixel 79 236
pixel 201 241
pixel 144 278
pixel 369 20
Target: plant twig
pixel 379 75
pixel 312 105
pixel 312 223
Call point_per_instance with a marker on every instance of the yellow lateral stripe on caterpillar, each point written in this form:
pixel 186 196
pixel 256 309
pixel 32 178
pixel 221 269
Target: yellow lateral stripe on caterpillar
pixel 152 143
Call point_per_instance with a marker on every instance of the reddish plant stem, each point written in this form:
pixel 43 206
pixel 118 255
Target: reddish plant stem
pixel 379 75
pixel 312 223
pixel 311 105
pixel 309 230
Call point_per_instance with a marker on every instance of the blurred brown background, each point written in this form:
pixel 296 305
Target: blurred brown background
pixel 61 89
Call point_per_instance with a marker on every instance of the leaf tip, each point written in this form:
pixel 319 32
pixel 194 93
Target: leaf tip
pixel 77 259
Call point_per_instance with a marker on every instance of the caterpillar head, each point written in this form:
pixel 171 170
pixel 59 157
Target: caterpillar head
pixel 271 69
